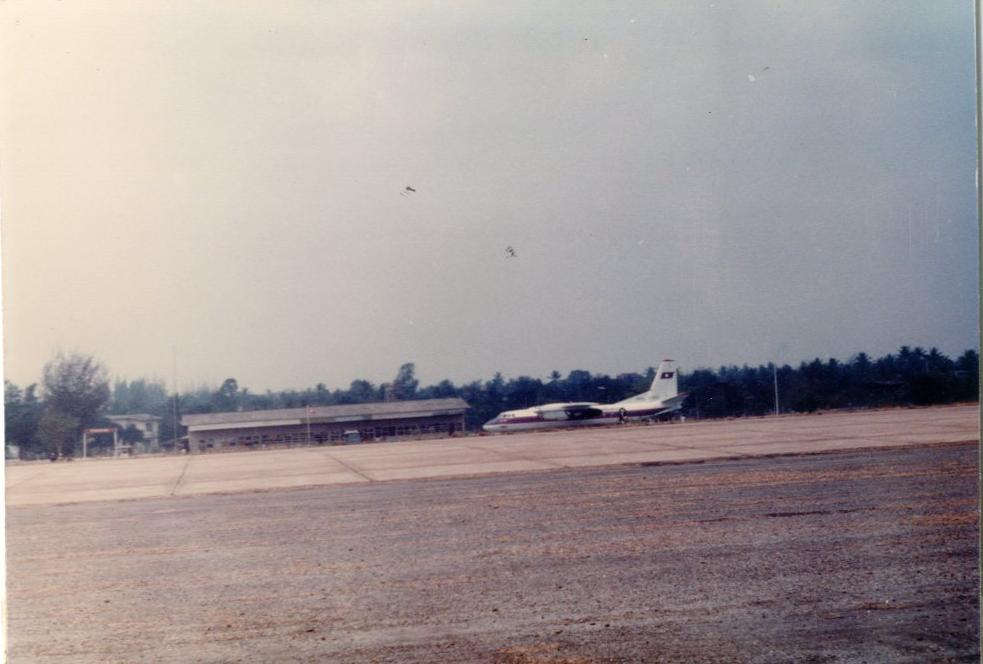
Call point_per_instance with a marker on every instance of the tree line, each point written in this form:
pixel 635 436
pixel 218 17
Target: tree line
pixel 75 393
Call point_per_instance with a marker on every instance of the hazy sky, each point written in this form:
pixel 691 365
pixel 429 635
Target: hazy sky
pixel 717 182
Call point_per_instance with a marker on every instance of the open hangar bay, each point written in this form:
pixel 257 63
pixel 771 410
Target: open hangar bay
pixel 841 537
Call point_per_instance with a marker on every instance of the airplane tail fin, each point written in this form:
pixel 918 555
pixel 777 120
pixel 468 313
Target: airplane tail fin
pixel 664 385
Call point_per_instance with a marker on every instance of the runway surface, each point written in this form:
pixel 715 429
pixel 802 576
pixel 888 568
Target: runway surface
pixel 855 556
pixel 147 477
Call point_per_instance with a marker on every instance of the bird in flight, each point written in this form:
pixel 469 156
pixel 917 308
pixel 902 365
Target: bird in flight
pixel 510 252
pixel 407 191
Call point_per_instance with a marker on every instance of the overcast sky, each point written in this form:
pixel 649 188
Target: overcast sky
pixel 224 183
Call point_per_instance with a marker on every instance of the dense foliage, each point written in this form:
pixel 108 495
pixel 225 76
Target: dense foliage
pixel 75 390
pixel 912 376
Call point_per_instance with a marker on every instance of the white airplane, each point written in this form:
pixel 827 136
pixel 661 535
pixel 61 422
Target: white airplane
pixel 662 397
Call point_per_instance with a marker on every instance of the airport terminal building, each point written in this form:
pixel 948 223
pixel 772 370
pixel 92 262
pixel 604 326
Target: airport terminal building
pixel 319 425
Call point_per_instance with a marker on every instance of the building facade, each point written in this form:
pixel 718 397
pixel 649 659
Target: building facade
pixel 320 425
pixel 148 425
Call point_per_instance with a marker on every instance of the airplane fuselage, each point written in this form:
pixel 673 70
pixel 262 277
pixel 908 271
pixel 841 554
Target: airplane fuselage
pixel 594 415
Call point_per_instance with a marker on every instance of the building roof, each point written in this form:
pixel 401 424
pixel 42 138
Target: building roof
pixel 134 417
pixel 326 414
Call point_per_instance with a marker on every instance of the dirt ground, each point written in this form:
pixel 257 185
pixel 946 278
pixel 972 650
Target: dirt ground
pixel 859 556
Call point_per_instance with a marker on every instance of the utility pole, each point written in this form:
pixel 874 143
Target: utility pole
pixel 774 368
pixel 174 380
pixel 309 409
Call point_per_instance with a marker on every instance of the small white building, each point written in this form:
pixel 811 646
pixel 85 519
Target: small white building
pixel 148 425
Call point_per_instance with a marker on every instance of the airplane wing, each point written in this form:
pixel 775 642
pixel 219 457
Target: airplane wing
pixel 569 411
pixel 551 407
